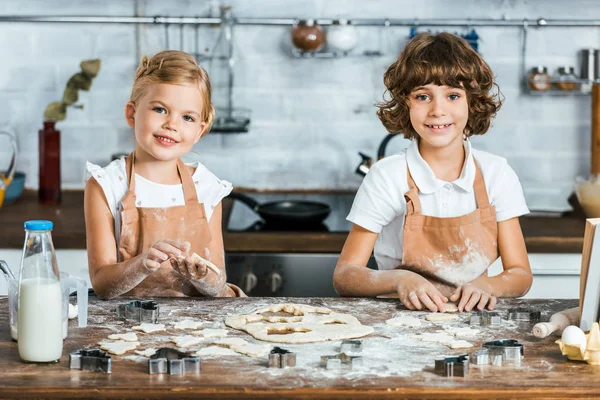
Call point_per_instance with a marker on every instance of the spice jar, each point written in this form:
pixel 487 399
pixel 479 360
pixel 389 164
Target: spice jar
pixel 308 36
pixel 539 80
pixel 565 79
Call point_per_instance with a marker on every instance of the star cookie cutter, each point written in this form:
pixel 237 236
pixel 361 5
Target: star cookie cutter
pixel 504 350
pixel 335 361
pixel 94 360
pixel 281 358
pixel 452 366
pixel 173 362
pixel 486 318
pixel 140 311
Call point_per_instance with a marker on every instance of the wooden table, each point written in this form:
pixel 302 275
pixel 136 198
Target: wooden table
pixel 388 354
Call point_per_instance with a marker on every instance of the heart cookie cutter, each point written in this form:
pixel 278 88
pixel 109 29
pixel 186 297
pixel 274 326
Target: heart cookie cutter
pixel 94 360
pixel 281 358
pixel 504 350
pixel 452 366
pixel 173 362
pixel 140 311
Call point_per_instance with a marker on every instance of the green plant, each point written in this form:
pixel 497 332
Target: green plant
pixel 57 110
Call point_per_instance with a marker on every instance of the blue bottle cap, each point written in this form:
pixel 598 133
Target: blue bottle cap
pixel 38 225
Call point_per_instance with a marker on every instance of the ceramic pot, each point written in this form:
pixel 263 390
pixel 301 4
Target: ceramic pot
pixel 342 36
pixel 308 36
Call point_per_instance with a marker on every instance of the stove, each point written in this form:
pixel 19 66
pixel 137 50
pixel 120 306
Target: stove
pixel 287 274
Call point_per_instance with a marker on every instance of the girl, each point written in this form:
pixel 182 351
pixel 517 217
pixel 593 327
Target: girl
pixel 439 213
pixel 149 216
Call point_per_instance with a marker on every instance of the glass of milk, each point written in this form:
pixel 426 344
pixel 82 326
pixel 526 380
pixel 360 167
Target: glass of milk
pixel 40 309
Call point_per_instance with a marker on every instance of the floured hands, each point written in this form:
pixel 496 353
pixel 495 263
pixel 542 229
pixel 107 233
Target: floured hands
pixel 161 251
pixel 192 267
pixel 416 292
pixel 472 296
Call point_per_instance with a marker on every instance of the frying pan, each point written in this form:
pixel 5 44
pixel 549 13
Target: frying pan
pixel 287 212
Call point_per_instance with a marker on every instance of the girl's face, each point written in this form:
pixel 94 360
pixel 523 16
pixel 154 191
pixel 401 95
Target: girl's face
pixel 167 120
pixel 439 115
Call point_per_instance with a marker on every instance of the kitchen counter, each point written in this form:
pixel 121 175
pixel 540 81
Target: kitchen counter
pixel 542 234
pixel 395 365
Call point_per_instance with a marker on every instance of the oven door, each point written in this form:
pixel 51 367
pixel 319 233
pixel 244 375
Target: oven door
pixel 284 274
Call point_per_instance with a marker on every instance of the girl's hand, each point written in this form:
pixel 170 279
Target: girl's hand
pixel 414 292
pixel 161 251
pixel 192 267
pixel 472 296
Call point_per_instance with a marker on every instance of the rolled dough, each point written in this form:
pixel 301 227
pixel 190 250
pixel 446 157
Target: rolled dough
pixel 404 320
pixel 440 317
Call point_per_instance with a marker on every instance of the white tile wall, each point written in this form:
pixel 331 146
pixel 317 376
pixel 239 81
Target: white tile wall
pixel 309 117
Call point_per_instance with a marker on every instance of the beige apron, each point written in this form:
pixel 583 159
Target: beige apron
pixel 142 227
pixel 450 252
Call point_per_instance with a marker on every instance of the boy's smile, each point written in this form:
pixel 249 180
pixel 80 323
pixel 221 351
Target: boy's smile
pixel 438 114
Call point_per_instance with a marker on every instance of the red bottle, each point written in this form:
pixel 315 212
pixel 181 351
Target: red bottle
pixel 49 157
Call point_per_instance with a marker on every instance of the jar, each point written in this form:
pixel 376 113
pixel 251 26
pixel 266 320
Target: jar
pixel 342 36
pixel 49 158
pixel 40 304
pixel 308 36
pixel 539 80
pixel 565 79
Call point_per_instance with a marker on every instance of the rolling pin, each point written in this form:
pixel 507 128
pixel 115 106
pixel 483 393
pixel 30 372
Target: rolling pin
pixel 558 322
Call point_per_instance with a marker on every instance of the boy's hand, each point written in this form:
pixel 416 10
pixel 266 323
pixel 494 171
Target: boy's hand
pixel 161 251
pixel 414 292
pixel 472 296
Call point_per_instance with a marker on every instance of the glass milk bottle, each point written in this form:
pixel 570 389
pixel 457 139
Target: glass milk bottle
pixel 39 321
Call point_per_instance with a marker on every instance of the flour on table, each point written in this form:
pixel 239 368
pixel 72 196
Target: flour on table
pixel 459 344
pixel 127 337
pixel 149 352
pixel 440 317
pixel 404 320
pixel 216 351
pixel 439 337
pixel 462 331
pixel 188 324
pixel 209 332
pixel 149 328
pixel 119 347
pixel 187 340
pixel 317 324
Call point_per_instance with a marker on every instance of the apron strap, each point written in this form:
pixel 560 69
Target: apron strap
pixel 481 196
pixel 128 201
pixel 413 204
pixel 189 189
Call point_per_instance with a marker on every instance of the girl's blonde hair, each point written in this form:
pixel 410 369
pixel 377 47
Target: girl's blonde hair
pixel 177 68
pixel 442 59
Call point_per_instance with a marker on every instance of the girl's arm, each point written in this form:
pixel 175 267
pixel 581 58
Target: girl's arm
pixel 109 278
pixel 352 278
pixel 514 281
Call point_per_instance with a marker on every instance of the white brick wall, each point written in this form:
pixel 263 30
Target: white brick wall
pixel 309 117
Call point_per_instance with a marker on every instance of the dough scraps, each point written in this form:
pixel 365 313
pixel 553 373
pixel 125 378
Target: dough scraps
pixel 188 324
pixel 216 351
pixel 187 340
pixel 127 337
pixel 149 352
pixel 316 324
pixel 119 347
pixel 149 328
pixel 440 317
pixel 404 320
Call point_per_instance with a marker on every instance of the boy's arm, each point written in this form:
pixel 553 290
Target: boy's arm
pixel 516 278
pixel 353 278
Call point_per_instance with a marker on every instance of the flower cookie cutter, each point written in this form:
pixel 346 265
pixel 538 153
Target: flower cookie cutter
pixel 94 360
pixel 173 362
pixel 281 358
pixel 140 311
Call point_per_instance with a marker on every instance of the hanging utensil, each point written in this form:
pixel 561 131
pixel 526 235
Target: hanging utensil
pixel 6 178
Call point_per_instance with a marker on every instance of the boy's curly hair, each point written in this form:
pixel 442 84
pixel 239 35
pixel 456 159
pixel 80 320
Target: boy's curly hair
pixel 441 59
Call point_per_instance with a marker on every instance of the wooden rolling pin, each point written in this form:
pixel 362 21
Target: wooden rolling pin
pixel 558 322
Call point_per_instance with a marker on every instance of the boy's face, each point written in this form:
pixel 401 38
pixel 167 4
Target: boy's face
pixel 167 120
pixel 439 115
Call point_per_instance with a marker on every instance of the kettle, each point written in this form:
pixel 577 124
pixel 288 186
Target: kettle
pixel 366 162
pixel 67 283
pixel 6 179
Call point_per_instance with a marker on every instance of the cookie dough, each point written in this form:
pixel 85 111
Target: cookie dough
pixel 188 324
pixel 119 347
pixel 149 328
pixel 404 320
pixel 440 317
pixel 127 337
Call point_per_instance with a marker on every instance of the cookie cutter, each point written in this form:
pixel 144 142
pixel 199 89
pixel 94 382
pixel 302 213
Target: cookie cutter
pixel 140 311
pixel 281 358
pixel 94 360
pixel 173 362
pixel 453 365
pixel 486 318
pixel 524 314
pixel 351 346
pixel 480 357
pixel 504 350
pixel 335 361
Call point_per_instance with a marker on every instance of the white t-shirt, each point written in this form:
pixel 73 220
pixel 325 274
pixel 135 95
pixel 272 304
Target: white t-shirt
pixel 380 206
pixel 113 180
